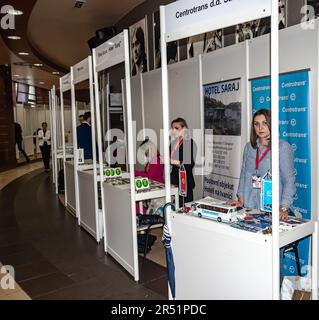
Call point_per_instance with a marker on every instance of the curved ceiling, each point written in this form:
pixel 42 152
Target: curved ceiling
pixel 60 32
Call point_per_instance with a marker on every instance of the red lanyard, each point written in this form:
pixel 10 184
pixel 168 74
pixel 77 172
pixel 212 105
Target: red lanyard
pixel 178 143
pixel 262 157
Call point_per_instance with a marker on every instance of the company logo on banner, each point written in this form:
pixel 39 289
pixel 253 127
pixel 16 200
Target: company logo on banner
pixel 222 105
pixel 188 17
pixel 110 53
pixel 294 128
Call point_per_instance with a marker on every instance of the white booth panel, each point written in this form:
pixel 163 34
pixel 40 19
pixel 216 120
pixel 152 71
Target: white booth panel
pixel 185 102
pixel 153 113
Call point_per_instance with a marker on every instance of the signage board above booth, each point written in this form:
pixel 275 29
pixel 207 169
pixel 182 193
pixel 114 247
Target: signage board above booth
pixel 188 18
pixel 81 71
pixel 66 82
pixel 110 53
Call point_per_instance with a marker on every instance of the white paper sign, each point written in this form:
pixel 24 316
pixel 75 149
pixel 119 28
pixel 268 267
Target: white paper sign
pixel 80 156
pixel 110 53
pixel 188 17
pixel 81 71
pixel 66 83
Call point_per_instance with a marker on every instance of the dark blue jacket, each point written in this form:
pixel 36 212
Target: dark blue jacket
pixel 84 136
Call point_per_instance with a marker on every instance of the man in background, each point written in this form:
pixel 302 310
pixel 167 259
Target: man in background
pixel 81 118
pixel 19 140
pixel 84 136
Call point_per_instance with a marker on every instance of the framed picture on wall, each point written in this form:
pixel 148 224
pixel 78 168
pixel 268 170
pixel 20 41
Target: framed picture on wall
pixel 252 29
pixel 282 14
pixel 139 47
pixel 315 8
pixel 195 45
pixel 213 40
pixel 172 47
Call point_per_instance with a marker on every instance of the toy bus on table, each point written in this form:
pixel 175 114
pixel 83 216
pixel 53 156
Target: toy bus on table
pixel 214 211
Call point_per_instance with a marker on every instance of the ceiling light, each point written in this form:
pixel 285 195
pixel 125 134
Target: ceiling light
pixel 14 37
pixel 23 53
pixel 41 82
pixel 55 72
pixel 15 12
pixel 16 75
pixel 38 65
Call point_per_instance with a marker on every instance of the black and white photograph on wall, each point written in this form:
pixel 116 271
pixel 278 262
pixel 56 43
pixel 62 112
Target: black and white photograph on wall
pixel 314 11
pixel 282 14
pixel 195 45
pixel 139 47
pixel 172 47
pixel 252 29
pixel 213 40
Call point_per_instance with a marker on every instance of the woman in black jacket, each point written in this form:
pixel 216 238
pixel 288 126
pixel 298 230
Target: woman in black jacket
pixel 183 153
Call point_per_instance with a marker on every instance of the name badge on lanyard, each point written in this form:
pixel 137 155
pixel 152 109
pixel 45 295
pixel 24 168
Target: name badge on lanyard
pixel 256 179
pixel 182 182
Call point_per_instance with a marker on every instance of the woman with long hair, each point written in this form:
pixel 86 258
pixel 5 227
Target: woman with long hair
pixel 257 162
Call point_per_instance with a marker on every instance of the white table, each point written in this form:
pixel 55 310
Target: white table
pixel 216 261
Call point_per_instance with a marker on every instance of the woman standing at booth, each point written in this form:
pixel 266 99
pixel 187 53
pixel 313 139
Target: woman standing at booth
pixel 45 145
pixel 257 162
pixel 183 153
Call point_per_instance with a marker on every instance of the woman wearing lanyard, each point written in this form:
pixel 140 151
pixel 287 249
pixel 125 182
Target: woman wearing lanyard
pixel 183 152
pixel 256 163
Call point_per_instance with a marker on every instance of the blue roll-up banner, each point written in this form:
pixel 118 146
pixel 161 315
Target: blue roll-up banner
pixel 294 128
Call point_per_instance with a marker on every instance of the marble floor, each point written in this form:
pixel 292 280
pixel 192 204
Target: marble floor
pixel 34 227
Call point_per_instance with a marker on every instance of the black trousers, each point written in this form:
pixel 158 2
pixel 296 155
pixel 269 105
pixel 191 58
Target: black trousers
pixel 19 144
pixel 45 151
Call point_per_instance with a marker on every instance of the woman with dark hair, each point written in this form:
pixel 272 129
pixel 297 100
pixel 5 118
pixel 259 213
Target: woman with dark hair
pixel 257 162
pixel 45 145
pixel 183 153
pixel 139 58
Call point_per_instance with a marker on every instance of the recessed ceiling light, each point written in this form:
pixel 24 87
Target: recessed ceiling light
pixel 16 75
pixel 14 37
pixel 55 72
pixel 15 12
pixel 38 65
pixel 41 82
pixel 23 53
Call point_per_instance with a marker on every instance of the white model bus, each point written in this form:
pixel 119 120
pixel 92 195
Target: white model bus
pixel 215 211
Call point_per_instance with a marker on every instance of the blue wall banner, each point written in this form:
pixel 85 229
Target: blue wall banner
pixel 295 129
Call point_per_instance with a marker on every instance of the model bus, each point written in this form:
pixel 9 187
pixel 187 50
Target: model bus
pixel 215 211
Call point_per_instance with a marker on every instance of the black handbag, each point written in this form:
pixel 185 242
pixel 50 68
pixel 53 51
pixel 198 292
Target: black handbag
pixel 149 219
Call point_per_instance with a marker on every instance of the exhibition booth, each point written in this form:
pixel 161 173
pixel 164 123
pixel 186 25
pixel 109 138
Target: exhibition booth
pixel 226 257
pixel 120 194
pixel 217 93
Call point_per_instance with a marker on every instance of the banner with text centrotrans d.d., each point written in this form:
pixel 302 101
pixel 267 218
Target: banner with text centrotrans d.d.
pixel 295 129
pixel 222 111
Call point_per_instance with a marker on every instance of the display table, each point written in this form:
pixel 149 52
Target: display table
pixel 70 186
pixel 118 217
pixel 216 261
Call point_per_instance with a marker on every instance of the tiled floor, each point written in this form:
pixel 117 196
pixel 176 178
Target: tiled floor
pixel 54 258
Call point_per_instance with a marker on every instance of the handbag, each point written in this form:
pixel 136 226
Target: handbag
pixel 146 219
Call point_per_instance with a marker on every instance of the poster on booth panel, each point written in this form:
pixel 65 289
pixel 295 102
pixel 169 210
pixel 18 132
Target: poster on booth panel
pixel 139 47
pixel 222 112
pixel 295 129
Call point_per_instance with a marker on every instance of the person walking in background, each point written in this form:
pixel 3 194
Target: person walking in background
pixel 19 140
pixel 45 145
